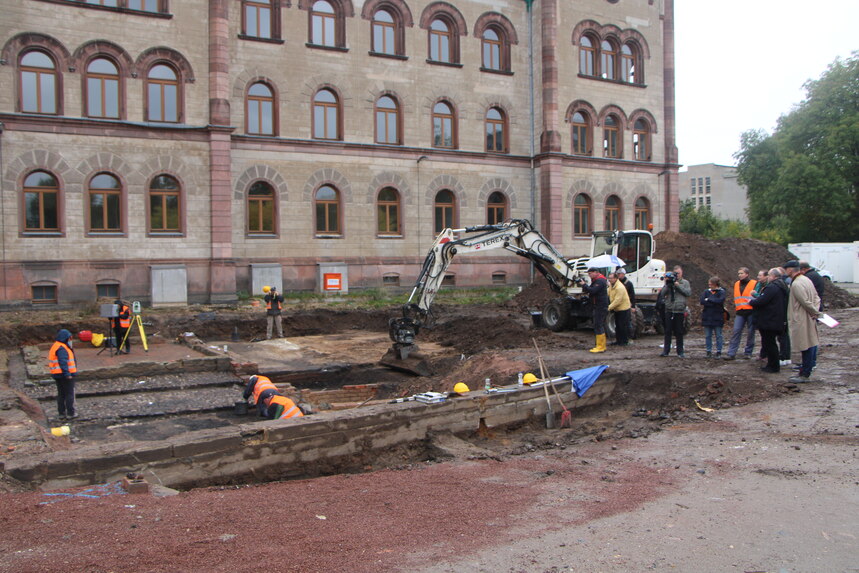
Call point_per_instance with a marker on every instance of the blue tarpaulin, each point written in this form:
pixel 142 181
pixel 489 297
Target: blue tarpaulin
pixel 585 378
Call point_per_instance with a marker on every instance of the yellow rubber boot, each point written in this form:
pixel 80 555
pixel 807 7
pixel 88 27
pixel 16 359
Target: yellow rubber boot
pixel 600 347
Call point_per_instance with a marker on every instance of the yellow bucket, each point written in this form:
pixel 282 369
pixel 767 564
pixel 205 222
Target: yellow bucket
pixel 97 339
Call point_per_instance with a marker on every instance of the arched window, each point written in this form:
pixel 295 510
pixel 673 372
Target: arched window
pixel 39 91
pixel 611 137
pixel 443 126
pixel 162 94
pixel 627 64
pixel 496 130
pixel 102 89
pixel 587 56
pixel 41 202
pixel 642 213
pixel 261 209
pixel 388 212
pixel 496 208
pixel 492 48
pixel 165 206
pixel 327 206
pixel 641 140
pixel 326 109
pixel 323 24
pixel 608 60
pixel 387 121
pixel 444 211
pixel 612 213
pixel 582 215
pixel 581 135
pixel 260 110
pixel 440 42
pixel 105 204
pixel 257 19
pixel 384 33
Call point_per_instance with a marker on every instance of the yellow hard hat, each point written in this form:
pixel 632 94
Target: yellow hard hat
pixel 461 388
pixel 529 378
pixel 266 289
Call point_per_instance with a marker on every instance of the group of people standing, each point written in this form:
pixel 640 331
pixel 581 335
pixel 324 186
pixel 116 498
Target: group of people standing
pixel 782 303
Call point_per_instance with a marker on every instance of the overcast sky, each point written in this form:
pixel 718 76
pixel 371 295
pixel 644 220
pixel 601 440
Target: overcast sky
pixel 741 64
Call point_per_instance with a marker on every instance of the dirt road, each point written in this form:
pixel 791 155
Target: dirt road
pixel 766 482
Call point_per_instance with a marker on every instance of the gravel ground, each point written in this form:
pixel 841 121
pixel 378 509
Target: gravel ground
pixel 767 481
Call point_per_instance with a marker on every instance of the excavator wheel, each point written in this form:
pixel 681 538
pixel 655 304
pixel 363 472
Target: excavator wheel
pixel 637 323
pixel 556 314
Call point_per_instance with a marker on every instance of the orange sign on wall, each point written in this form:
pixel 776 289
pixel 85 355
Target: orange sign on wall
pixel 332 281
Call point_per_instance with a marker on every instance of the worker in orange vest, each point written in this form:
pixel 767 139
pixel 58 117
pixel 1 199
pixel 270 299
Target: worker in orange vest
pixel 121 323
pixel 261 388
pixel 63 369
pixel 280 408
pixel 743 289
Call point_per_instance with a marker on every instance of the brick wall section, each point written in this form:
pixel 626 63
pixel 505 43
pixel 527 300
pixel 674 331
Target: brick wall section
pixel 305 447
pixel 351 394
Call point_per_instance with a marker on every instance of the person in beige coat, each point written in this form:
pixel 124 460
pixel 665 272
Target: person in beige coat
pixel 619 304
pixel 802 314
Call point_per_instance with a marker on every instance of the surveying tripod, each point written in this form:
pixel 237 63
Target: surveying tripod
pixel 135 319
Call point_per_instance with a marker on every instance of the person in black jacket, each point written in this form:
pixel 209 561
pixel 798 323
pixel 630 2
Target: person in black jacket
pixel 598 292
pixel 815 279
pixel 713 314
pixel 770 312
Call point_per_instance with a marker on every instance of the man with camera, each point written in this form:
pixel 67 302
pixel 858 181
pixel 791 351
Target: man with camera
pixel 597 291
pixel 674 293
pixel 273 305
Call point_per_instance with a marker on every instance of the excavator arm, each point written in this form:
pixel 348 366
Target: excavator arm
pixel 517 236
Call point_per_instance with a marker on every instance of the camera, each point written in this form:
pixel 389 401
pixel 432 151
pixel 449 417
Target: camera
pixel 579 281
pixel 670 277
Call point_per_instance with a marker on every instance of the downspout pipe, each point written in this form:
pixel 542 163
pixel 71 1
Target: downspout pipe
pixel 532 129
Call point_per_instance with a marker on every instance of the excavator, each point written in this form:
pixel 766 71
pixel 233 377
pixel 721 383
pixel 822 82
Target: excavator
pixel 565 276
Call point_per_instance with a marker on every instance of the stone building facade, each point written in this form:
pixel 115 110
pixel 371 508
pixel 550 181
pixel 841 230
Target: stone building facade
pixel 185 151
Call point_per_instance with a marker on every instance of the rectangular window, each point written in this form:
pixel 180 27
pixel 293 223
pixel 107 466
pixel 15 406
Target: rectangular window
pixel 708 184
pixel 44 294
pixel 499 278
pixel 144 5
pixel 391 280
pixel 107 291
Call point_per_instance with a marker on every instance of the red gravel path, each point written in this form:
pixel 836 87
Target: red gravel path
pixel 381 521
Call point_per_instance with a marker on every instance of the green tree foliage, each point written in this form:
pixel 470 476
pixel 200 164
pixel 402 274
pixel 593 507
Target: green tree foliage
pixel 702 221
pixel 803 180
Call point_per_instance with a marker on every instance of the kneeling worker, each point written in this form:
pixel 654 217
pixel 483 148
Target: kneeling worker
pixel 261 388
pixel 280 407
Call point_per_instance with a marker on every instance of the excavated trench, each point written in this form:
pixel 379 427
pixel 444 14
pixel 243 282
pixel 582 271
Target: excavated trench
pixel 189 419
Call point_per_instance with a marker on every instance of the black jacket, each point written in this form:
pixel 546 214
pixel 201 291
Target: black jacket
pixel 598 290
pixel 630 290
pixel 770 307
pixel 713 313
pixel 818 283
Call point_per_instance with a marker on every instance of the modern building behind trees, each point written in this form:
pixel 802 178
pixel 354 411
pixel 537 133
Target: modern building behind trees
pixel 716 187
pixel 184 151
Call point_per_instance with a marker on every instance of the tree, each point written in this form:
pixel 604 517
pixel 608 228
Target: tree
pixel 803 180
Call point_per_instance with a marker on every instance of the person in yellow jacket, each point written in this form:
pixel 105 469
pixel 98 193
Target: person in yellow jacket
pixel 618 302
pixel 63 369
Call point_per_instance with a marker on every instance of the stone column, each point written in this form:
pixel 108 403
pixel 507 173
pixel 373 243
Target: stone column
pixel 671 196
pixel 550 138
pixel 222 275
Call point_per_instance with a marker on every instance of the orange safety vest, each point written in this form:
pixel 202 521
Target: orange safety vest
pixel 54 362
pixel 290 410
pixel 275 301
pixel 123 322
pixel 263 383
pixel 741 300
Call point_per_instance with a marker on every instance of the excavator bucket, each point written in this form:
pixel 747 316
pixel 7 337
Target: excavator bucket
pixel 406 358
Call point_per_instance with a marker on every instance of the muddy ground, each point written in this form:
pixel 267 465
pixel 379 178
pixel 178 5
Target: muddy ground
pixel 692 465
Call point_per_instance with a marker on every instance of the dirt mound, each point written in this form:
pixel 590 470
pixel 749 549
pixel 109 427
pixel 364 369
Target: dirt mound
pixel 474 370
pixel 472 333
